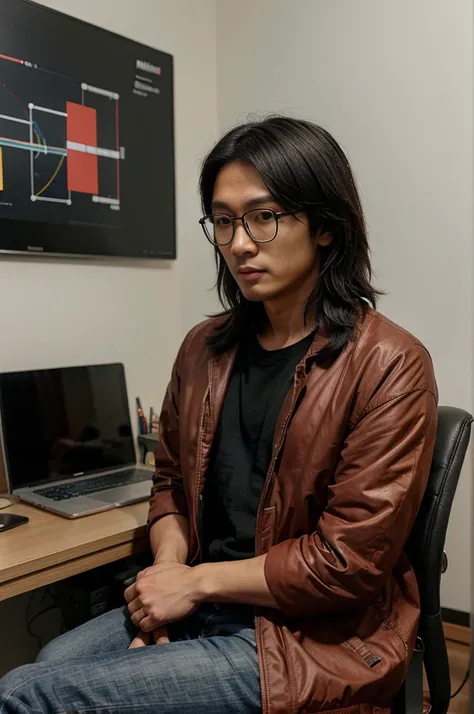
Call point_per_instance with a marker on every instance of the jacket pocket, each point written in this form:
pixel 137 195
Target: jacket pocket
pixel 364 651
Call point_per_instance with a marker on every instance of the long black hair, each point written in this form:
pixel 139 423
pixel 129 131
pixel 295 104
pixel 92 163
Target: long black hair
pixel 303 168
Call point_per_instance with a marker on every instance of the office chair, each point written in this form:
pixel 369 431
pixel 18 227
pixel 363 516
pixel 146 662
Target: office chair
pixel 425 548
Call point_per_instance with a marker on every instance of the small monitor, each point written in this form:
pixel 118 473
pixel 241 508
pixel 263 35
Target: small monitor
pixel 60 423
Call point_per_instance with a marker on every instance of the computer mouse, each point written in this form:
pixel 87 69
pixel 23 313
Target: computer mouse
pixel 10 520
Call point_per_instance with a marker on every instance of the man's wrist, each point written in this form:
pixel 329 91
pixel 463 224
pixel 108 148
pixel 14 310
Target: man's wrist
pixel 204 581
pixel 162 558
pixel 167 558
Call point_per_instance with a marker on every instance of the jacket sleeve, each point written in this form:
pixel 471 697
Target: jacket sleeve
pixel 373 501
pixel 167 495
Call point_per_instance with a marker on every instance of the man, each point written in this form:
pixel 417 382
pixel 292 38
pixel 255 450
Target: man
pixel 296 439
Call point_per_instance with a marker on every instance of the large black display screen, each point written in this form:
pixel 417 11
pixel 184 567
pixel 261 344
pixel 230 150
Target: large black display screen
pixel 86 139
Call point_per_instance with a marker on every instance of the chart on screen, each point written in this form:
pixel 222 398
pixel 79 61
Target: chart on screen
pixel 61 148
pixel 86 138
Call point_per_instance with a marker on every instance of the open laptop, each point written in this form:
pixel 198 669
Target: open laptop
pixel 67 439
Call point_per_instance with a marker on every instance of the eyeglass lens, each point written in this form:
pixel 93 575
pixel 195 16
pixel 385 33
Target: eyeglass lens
pixel 260 223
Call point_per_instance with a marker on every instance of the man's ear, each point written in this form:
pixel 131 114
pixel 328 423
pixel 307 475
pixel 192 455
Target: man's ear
pixel 324 239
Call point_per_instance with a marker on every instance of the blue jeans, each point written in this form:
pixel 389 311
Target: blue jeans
pixel 209 667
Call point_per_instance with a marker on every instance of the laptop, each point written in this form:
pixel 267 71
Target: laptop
pixel 67 441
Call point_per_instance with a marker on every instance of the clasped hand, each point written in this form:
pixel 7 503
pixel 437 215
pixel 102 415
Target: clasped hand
pixel 161 594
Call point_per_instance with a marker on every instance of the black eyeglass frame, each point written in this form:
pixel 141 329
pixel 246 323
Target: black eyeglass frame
pixel 277 215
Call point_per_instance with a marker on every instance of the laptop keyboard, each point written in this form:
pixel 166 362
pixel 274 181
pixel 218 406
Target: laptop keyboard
pixel 65 491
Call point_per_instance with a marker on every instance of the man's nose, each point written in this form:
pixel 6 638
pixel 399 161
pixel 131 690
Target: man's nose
pixel 242 242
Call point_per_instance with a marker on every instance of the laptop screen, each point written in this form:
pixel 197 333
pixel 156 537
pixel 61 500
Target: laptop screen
pixel 60 423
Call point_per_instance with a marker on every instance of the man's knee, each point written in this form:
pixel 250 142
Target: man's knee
pixel 58 649
pixel 14 690
pixel 103 634
pixel 68 646
pixel 49 652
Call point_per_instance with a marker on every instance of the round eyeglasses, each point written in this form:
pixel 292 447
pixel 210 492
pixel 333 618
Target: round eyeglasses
pixel 261 225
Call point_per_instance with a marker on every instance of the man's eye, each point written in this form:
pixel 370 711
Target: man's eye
pixel 222 221
pixel 264 216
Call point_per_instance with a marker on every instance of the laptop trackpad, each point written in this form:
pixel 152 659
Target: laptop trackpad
pixel 124 494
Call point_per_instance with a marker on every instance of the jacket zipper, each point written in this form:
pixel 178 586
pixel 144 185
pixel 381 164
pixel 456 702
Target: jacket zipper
pixel 198 470
pixel 276 449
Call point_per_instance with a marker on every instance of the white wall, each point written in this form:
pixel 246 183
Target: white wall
pixel 393 82
pixel 61 312
pixel 58 312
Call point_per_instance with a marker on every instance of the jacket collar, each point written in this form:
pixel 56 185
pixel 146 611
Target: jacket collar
pixel 221 365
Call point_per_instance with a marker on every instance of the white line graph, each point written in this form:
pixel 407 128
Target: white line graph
pixel 95 150
pixel 46 110
pixel 19 121
pixel 98 90
pixel 105 199
pixel 51 200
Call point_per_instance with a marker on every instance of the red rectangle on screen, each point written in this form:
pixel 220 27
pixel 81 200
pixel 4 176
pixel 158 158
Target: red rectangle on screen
pixel 81 124
pixel 82 167
pixel 82 172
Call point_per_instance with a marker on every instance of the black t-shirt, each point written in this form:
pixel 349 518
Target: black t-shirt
pixel 243 446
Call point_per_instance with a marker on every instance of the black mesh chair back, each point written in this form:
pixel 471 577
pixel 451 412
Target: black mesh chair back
pixel 425 548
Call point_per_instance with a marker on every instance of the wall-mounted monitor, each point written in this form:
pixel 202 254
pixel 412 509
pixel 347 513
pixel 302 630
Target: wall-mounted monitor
pixel 86 139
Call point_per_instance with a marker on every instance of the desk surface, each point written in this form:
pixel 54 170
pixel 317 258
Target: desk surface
pixel 50 548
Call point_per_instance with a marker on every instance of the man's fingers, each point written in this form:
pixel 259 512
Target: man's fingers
pixel 134 606
pixel 140 640
pixel 160 636
pixel 144 622
pixel 130 593
pixel 148 623
pixel 137 619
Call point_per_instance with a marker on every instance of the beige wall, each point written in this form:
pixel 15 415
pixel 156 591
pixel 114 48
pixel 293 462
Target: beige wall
pixel 64 312
pixel 393 81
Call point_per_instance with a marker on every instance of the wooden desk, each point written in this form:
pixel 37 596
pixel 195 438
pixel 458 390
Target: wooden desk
pixel 50 548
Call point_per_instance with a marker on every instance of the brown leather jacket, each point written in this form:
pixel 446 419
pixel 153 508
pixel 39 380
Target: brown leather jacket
pixel 352 453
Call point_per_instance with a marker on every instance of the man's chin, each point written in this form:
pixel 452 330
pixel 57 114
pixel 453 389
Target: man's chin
pixel 251 293
pixel 255 294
